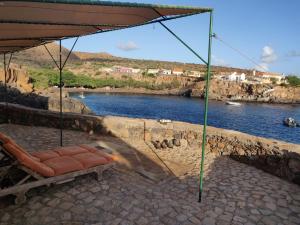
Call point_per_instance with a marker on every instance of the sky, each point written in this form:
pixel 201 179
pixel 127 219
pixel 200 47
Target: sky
pixel 266 31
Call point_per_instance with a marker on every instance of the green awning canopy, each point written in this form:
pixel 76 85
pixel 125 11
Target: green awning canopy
pixel 26 24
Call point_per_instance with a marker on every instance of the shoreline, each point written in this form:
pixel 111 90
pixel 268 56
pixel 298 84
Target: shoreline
pixel 140 91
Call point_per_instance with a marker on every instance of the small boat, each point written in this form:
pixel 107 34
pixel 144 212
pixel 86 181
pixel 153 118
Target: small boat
pixel 81 95
pixel 291 122
pixel 164 121
pixel 233 103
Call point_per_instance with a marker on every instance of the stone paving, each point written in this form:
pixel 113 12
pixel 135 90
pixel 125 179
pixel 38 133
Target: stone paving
pixel 234 193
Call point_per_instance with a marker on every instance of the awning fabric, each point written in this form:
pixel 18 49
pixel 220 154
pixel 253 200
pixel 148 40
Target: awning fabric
pixel 25 24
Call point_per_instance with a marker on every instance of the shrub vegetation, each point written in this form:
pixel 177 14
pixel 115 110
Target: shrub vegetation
pixel 293 80
pixel 43 78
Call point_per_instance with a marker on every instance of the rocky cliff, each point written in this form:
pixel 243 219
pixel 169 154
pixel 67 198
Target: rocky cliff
pixel 225 90
pixel 18 78
pixel 21 91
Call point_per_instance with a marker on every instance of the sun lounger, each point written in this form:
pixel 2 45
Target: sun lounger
pixel 46 167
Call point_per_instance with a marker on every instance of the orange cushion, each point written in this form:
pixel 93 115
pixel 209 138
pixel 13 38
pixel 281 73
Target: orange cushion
pixel 98 152
pixel 70 150
pixel 4 139
pixel 63 164
pixel 45 155
pixel 28 161
pixel 90 159
pixel 23 151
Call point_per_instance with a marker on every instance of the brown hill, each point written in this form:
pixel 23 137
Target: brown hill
pixel 94 56
pixel 39 57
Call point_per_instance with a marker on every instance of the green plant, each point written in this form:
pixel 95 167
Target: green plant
pixel 293 80
pixel 43 78
pixel 273 80
pixel 145 74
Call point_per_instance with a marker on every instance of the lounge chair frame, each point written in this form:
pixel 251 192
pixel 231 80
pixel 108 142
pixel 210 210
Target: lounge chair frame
pixel 20 189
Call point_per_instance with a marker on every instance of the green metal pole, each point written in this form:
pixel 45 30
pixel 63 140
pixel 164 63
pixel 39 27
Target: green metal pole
pixel 185 44
pixel 5 88
pixel 60 95
pixel 206 105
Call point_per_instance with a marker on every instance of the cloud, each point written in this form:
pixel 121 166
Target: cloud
pixel 293 54
pixel 268 55
pixel 219 61
pixel 129 46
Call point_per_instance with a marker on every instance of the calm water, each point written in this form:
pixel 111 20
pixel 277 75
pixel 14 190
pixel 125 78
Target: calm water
pixel 258 119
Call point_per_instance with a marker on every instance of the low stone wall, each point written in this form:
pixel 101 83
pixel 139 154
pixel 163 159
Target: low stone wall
pixel 276 157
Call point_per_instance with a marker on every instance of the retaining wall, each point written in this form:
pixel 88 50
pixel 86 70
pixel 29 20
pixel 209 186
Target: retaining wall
pixel 276 157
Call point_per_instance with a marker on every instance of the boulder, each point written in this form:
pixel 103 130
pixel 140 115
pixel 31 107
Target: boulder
pixel 176 142
pixel 170 144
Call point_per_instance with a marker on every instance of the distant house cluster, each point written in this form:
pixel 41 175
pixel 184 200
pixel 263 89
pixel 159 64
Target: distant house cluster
pixel 268 77
pixel 245 77
pixel 123 69
pixel 153 71
pixel 254 77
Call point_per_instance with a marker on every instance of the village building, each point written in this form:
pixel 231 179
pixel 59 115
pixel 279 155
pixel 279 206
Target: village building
pixel 153 71
pixel 236 77
pixel 177 71
pixel 107 70
pixel 135 70
pixel 166 72
pixel 122 69
pixel 195 73
pixel 269 77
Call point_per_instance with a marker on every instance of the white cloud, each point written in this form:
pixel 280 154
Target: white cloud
pixel 129 46
pixel 219 61
pixel 268 55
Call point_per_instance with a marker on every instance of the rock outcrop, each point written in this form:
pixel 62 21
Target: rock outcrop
pixel 225 90
pixel 20 91
pixel 18 78
pixel 48 102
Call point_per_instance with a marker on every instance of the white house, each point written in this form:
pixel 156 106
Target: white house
pixel 242 77
pixel 166 72
pixel 276 76
pixel 153 71
pixel 134 70
pixel 177 71
pixel 232 77
pixel 194 73
pixel 236 77
pixel 107 70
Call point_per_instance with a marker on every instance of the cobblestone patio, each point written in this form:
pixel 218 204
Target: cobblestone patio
pixel 234 193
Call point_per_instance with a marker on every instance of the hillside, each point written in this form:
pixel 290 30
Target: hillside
pixel 38 57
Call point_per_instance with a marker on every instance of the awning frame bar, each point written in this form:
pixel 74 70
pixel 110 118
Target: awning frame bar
pixel 178 38
pixel 60 66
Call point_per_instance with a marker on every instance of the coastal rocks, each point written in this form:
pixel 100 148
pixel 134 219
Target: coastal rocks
pixel 176 142
pixel 69 105
pixel 225 90
pixel 166 143
pixel 18 78
pixel 49 102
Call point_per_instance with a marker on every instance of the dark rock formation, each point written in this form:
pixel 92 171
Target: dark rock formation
pixel 50 102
